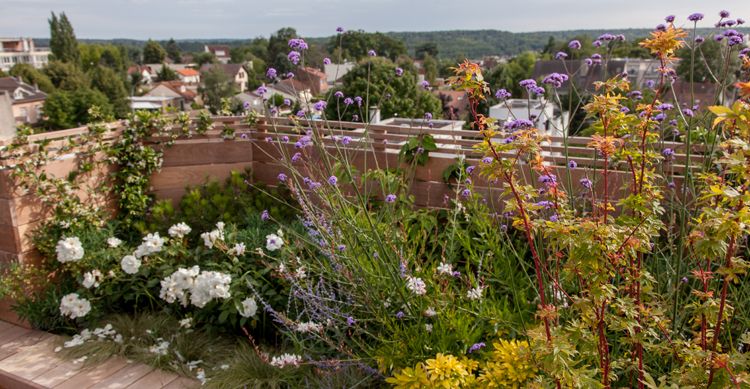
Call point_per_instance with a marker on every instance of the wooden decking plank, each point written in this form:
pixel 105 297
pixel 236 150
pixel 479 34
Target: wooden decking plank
pixel 11 381
pixel 25 338
pixel 183 383
pixel 88 377
pixel 58 374
pixel 31 361
pixel 5 325
pixel 154 379
pixel 124 377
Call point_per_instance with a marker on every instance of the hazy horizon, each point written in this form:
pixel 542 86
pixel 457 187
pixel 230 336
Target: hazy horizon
pixel 233 19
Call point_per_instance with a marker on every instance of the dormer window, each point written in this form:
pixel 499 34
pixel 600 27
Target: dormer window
pixel 18 94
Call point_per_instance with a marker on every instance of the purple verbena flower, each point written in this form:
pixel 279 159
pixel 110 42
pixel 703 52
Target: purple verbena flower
pixel 271 73
pixel 476 347
pixel 555 79
pixel 358 100
pixel 574 44
pixel 669 19
pixel 339 29
pixel 326 61
pixel 502 94
pixel 301 113
pixel 391 198
pixel 724 13
pixel 585 182
pixel 399 72
pixel 470 169
pixel 262 90
pixel 465 193
pixel 264 215
pixel 572 164
pixel 695 17
pixel 371 53
pixel 425 84
pixel 282 177
pixel 320 105
pixel 298 44
pixel 333 180
pixel 294 57
pixel 296 157
pixel 428 116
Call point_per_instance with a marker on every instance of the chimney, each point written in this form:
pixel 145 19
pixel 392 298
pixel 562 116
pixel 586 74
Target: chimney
pixel 374 115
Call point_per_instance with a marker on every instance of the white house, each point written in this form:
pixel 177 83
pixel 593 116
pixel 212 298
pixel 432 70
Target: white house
pixel 189 76
pixel 335 71
pixel 544 114
pixel 21 50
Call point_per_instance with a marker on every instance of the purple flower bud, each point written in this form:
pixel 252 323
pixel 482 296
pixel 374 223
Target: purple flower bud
pixel 699 39
pixel 371 53
pixel 671 185
pixel 572 164
pixel 400 315
pixel 271 73
pixel 320 105
pixel 561 55
pixel 296 157
pixel 399 72
pixel 724 13
pixel 586 183
pixel 289 75
pixel 391 198
pixel 262 90
pixel 346 140
pixel 350 321
pixel 476 347
pixel 625 110
pixel 339 29
pixel 695 17
pixel 264 215
pixel 339 94
pixel 341 247
pixel 574 44
pixel 294 57
pixel 553 218
pixel 669 19
pixel 428 116
pixel 465 193
pixel 358 100
pixel 470 169
pixel 333 180
pixel 301 113
pixel 661 27
pixel 326 61
pixel 282 177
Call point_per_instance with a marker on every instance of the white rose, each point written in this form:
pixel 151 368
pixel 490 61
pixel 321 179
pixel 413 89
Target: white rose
pixel 249 307
pixel 113 242
pixel 69 250
pixel 130 264
pixel 179 230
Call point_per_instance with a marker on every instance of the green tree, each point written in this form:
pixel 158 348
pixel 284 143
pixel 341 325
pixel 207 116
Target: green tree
pixel 510 74
pixel 430 65
pixel 173 51
pixel 66 76
pixel 397 96
pixel 166 73
pixel 68 109
pixel 112 85
pixel 63 43
pixel 278 48
pixel 111 56
pixel 204 58
pixel 426 49
pixel 32 76
pixel 708 58
pixel 153 52
pixel 355 45
pixel 216 86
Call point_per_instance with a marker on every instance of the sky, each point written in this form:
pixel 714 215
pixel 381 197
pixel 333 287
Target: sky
pixel 241 19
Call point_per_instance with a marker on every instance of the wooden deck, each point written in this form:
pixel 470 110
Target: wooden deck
pixel 28 360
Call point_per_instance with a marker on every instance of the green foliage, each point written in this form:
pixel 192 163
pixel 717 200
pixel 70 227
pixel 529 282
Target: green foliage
pixel 204 58
pixel 66 76
pixel 32 76
pixel 69 109
pixel 217 85
pixel 63 43
pixel 112 85
pixel 110 56
pixel 235 201
pixel 395 96
pixel 166 73
pixel 278 47
pixel 354 45
pixel 153 52
pixel 417 149
pixel 173 51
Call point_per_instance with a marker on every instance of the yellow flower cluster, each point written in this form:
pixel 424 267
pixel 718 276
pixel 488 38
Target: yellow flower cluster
pixel 511 365
pixel 443 371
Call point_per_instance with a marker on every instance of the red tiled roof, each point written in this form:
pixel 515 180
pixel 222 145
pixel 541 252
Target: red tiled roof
pixel 187 72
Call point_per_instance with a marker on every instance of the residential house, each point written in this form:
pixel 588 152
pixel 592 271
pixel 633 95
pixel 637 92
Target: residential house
pixel 21 50
pixel 7 124
pixel 27 100
pixel 155 103
pixel 189 76
pixel 582 74
pixel 148 75
pixel 291 89
pixel 313 79
pixel 701 93
pixel 221 52
pixel 335 71
pixel 455 103
pixel 250 101
pixel 236 72
pixel 543 113
pixel 176 90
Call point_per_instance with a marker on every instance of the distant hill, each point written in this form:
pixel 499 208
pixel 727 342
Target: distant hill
pixel 451 44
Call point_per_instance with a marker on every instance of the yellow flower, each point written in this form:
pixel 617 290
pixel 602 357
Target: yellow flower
pixel 510 367
pixel 409 378
pixel 446 371
pixel 665 42
pixel 744 88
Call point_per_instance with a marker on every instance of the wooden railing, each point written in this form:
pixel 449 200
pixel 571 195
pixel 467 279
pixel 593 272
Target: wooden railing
pixel 193 160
